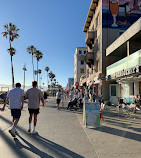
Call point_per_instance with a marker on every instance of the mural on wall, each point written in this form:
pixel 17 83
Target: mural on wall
pixel 120 13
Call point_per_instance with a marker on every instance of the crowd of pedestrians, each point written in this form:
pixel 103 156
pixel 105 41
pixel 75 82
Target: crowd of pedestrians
pixel 16 99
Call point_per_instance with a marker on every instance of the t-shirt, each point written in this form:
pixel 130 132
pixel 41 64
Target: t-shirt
pixel 34 95
pixel 15 97
pixel 58 95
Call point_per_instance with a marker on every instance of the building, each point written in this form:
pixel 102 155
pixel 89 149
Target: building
pixel 70 82
pixel 105 22
pixel 79 63
pixel 124 73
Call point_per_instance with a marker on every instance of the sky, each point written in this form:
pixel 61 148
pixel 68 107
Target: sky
pixel 55 27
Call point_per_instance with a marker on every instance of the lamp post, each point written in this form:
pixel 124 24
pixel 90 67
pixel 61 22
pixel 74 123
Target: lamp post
pixel 24 68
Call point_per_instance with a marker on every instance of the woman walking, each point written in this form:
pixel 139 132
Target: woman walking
pixel 58 98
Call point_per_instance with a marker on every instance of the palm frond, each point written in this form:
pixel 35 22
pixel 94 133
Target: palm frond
pixel 12 51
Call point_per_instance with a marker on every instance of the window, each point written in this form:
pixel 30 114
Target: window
pixel 81 70
pixel 80 52
pixel 98 43
pixel 97 20
pixel 113 90
pixel 97 66
pixel 82 62
pixel 84 52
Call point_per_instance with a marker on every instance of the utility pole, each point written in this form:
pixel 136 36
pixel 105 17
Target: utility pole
pixel 24 68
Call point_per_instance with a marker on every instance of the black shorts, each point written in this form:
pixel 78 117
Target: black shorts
pixel 34 111
pixel 58 101
pixel 16 113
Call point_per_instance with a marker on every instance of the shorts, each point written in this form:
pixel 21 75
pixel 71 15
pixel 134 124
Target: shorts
pixel 58 101
pixel 16 113
pixel 34 111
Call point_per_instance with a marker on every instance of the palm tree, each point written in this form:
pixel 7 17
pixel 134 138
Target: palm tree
pixel 24 68
pixel 31 50
pixel 39 72
pixel 50 76
pixel 35 72
pixel 39 56
pixel 47 69
pixel 53 76
pixel 11 32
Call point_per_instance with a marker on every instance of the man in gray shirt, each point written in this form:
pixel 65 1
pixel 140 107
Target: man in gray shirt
pixel 34 95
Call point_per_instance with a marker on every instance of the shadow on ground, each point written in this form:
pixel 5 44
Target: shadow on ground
pixel 56 149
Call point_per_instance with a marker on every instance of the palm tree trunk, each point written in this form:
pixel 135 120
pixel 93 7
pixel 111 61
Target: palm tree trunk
pixel 39 82
pixel 12 68
pixel 37 73
pixel 33 68
pixel 24 81
pixel 47 80
pixel 12 72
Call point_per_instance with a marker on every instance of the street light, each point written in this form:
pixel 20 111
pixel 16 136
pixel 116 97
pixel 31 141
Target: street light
pixel 24 68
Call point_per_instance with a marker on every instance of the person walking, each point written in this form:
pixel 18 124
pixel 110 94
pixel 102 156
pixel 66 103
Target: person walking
pixel 58 98
pixel 101 109
pixel 62 97
pixel 45 96
pixel 34 95
pixel 71 94
pixel 80 97
pixel 16 99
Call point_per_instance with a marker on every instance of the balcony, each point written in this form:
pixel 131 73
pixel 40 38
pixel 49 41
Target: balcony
pixel 95 45
pixel 89 59
pixel 89 39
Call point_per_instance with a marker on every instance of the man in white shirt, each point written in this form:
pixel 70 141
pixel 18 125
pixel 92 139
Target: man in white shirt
pixel 16 99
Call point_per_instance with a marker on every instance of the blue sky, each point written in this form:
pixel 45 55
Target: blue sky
pixel 55 27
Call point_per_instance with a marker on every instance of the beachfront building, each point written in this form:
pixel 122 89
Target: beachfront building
pixel 105 22
pixel 124 73
pixel 79 64
pixel 70 83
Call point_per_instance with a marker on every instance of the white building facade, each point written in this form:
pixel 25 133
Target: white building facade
pixel 124 74
pixel 79 63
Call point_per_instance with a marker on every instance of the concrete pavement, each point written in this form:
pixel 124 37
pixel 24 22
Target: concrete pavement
pixel 61 134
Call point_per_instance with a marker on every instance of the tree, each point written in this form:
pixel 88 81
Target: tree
pixel 35 72
pixel 39 56
pixel 32 50
pixel 39 72
pixel 47 70
pixel 11 32
pixel 50 76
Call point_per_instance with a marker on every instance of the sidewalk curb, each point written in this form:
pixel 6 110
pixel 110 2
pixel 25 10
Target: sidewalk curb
pixel 86 134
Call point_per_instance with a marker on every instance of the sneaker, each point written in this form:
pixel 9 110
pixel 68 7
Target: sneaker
pixel 29 130
pixel 12 132
pixel 34 132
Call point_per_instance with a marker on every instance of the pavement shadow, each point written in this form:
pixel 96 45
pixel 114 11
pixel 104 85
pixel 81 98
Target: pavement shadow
pixel 30 147
pixel 121 133
pixel 78 111
pixel 56 149
pixel 11 145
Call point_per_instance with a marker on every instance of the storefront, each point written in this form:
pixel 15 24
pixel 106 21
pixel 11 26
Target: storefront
pixel 97 85
pixel 127 74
